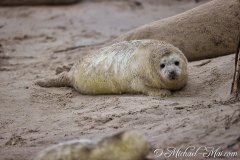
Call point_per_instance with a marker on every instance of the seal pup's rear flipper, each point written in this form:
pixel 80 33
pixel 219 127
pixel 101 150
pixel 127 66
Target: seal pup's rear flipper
pixel 61 80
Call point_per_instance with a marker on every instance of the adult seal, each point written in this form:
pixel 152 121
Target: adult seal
pixel 207 31
pixel 150 67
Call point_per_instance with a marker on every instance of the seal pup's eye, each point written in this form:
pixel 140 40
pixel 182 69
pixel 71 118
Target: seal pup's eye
pixel 162 66
pixel 176 63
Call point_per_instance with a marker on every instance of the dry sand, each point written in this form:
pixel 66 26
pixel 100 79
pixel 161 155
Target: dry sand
pixel 33 118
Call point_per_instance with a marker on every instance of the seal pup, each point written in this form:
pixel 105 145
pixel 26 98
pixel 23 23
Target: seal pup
pixel 128 145
pixel 150 67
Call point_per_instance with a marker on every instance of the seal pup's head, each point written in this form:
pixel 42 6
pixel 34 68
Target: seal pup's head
pixel 127 145
pixel 171 65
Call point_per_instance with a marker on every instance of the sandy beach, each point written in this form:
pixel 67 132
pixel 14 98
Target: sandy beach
pixel 37 41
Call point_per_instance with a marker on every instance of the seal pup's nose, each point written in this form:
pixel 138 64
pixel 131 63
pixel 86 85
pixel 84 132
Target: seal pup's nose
pixel 172 75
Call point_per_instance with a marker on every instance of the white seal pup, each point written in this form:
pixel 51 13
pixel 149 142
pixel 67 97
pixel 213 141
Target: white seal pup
pixel 128 145
pixel 150 67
